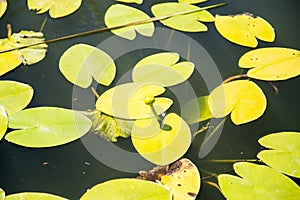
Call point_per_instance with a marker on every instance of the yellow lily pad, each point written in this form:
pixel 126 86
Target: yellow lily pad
pixel 131 1
pixel 191 1
pixel 3 7
pixel 33 196
pixel 3 122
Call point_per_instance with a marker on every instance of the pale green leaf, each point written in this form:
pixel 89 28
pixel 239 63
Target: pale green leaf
pixel 3 7
pixel 271 63
pixel 3 123
pixel 244 29
pixel 46 127
pixel 191 1
pixel 131 1
pixel 257 182
pixel 14 96
pixel 284 154
pixel 119 14
pixel 33 196
pixel 188 22
pixel 160 146
pixel 2 194
pixel 57 8
pixel 128 189
pixel 81 63
pixel 128 100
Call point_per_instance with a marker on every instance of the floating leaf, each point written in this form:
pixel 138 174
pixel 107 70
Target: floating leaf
pixel 2 194
pixel 257 182
pixel 14 96
pixel 191 1
pixel 162 68
pixel 128 189
pixel 47 127
pixel 3 7
pixel 57 8
pixel 183 179
pixel 119 14
pixel 243 98
pixel 81 63
pixel 128 100
pixel 285 153
pixel 244 29
pixel 271 63
pixel 33 196
pixel 131 1
pixel 187 22
pixel 196 110
pixel 3 123
pixel 160 146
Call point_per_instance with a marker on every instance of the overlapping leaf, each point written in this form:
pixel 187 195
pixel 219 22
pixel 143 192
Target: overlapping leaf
pixel 33 196
pixel 243 98
pixel 244 29
pixel 162 68
pixel 257 182
pixel 119 14
pixel 187 22
pixel 3 7
pixel 57 8
pixel 3 122
pixel 46 127
pixel 81 63
pixel 271 63
pixel 284 153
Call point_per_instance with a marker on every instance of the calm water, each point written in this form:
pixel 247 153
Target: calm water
pixel 70 169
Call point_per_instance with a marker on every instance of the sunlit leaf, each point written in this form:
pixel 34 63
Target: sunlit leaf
pixel 244 99
pixel 14 96
pixel 271 63
pixel 33 196
pixel 57 8
pixel 196 110
pixel 81 63
pixel 191 1
pixel 128 189
pixel 188 22
pixel 3 7
pixel 162 68
pixel 2 194
pixel 46 127
pixel 160 146
pixel 257 182
pixel 183 179
pixel 284 154
pixel 119 14
pixel 128 100
pixel 244 29
pixel 131 1
pixel 3 123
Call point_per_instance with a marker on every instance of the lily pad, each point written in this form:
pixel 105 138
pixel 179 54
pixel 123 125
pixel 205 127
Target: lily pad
pixel 191 1
pixel 3 122
pixel 3 7
pixel 33 196
pixel 81 63
pixel 2 194
pixel 131 1
pixel 46 127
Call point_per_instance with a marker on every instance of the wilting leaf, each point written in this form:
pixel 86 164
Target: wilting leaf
pixel 128 100
pixel 3 123
pixel 57 8
pixel 183 179
pixel 162 68
pixel 81 63
pixel 244 29
pixel 2 194
pixel 257 182
pixel 119 14
pixel 284 154
pixel 243 98
pixel 3 7
pixel 191 1
pixel 14 96
pixel 187 22
pixel 128 189
pixel 33 196
pixel 271 63
pixel 160 146
pixel 30 55
pixel 196 110
pixel 47 127
pixel 131 1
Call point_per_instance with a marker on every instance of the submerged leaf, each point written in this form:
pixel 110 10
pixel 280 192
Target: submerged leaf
pixel 33 196
pixel 81 63
pixel 3 7
pixel 3 122
pixel 271 63
pixel 131 1
pixel 57 8
pixel 284 154
pixel 47 127
pixel 162 68
pixel 128 189
pixel 119 14
pixel 257 182
pixel 187 22
pixel 14 96
pixel 244 29
pixel 244 99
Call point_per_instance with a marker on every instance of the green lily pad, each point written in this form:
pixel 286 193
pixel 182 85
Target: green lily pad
pixel 3 122
pixel 2 194
pixel 33 196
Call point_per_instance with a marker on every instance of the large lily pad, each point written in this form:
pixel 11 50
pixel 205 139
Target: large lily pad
pixel 33 196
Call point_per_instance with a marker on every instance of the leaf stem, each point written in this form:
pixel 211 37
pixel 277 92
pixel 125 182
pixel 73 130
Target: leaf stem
pixel 230 160
pixel 9 30
pixel 235 77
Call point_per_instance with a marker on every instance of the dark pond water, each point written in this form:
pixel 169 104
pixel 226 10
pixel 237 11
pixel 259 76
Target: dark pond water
pixel 70 169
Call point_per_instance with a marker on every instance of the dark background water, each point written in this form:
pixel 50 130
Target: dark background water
pixel 70 169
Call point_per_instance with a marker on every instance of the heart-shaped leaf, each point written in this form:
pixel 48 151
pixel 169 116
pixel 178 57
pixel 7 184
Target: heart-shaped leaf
pixel 3 7
pixel 47 127
pixel 3 122
pixel 33 196
pixel 81 63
